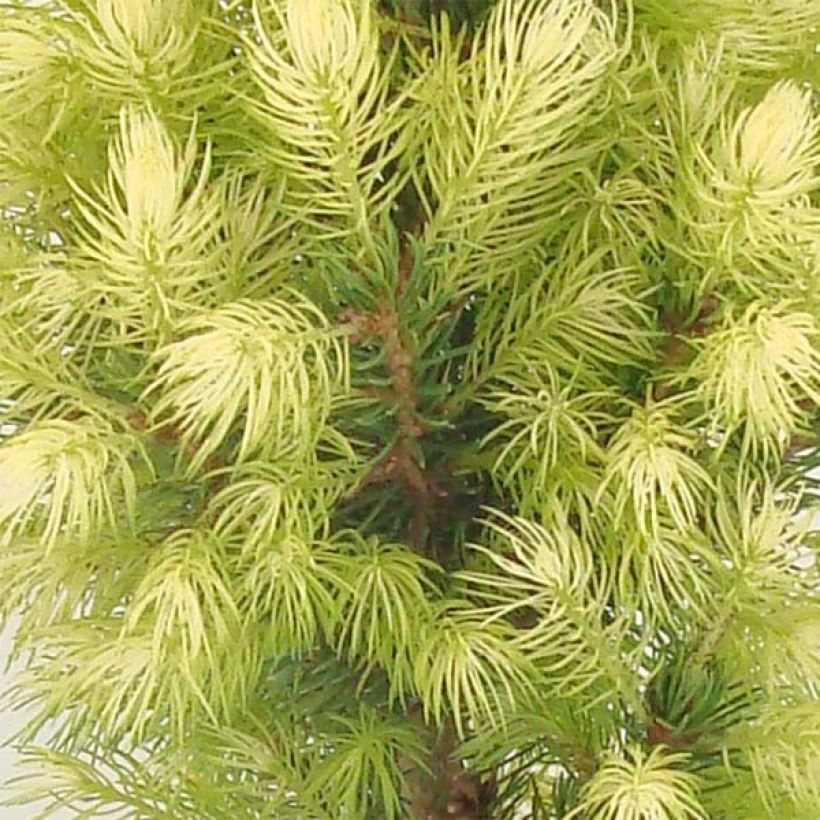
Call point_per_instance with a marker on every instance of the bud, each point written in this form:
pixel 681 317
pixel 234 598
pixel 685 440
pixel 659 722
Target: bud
pixel 702 90
pixel 23 56
pixel 758 368
pixel 30 70
pixel 144 164
pixel 139 44
pixel 555 31
pixel 776 140
pixel 325 39
pixel 144 24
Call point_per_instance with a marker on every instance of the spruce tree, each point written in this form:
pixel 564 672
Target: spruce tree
pixel 409 408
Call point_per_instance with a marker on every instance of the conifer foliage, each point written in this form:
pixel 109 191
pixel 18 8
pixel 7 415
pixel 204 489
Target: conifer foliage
pixel 409 409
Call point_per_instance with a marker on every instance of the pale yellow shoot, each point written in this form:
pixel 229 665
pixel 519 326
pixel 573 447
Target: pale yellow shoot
pixel 141 26
pixel 145 166
pixel 324 39
pixel 776 141
pixel 23 56
pixel 555 33
pixel 268 367
pixel 650 465
pixel 30 71
pixel 62 478
pixel 639 785
pixel 757 369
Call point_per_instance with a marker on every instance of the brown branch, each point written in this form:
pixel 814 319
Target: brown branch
pixel 797 445
pixel 403 460
pixel 399 361
pixel 384 324
pixel 444 789
pixel 678 351
pixel 406 264
pixel 659 734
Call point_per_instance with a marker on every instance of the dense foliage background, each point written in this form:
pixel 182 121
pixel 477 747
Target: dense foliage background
pixel 409 407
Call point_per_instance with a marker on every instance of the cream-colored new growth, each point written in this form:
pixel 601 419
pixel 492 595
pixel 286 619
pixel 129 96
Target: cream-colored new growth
pixel 144 164
pixel 23 58
pixel 652 470
pixel 140 27
pixel 641 786
pixel 755 370
pixel 775 143
pixel 64 473
pixel 269 367
pixel 31 66
pixel 327 40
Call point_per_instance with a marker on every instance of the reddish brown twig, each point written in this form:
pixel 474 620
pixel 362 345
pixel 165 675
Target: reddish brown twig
pixel 403 460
